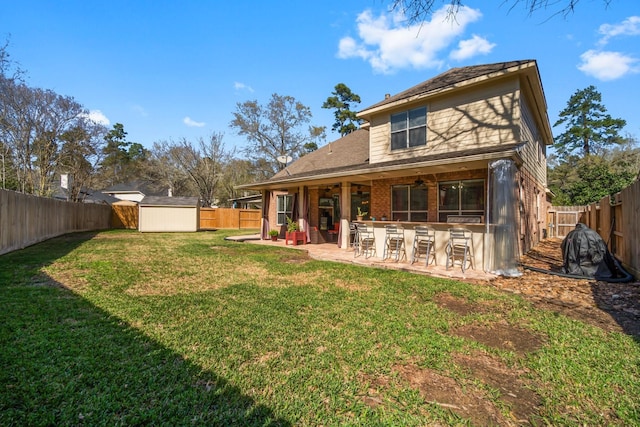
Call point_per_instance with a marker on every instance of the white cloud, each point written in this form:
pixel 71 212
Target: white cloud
pixel 97 117
pixel 242 86
pixel 628 27
pixel 605 65
pixel 476 45
pixel 388 44
pixel 192 123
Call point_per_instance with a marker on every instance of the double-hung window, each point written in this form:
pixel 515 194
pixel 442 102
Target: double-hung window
pixel 284 208
pixel 460 198
pixel 409 203
pixel 409 128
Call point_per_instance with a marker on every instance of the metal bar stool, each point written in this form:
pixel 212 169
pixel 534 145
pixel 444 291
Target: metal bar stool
pixel 366 241
pixel 424 243
pixel 353 235
pixel 394 243
pixel 460 248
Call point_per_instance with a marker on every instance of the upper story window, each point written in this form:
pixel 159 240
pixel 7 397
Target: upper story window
pixel 460 198
pixel 409 128
pixel 409 203
pixel 284 208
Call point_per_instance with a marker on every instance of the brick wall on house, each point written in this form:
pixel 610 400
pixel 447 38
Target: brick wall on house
pixel 381 190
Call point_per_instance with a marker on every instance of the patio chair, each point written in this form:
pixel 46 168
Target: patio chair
pixel 333 232
pixel 366 241
pixel 394 243
pixel 460 248
pixel 424 243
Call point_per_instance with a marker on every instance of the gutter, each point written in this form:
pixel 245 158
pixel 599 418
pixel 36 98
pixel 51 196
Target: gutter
pixel 512 153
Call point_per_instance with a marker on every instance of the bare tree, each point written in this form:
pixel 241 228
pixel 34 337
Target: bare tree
pixel 274 131
pixel 80 155
pixel 201 165
pixel 54 115
pixel 420 10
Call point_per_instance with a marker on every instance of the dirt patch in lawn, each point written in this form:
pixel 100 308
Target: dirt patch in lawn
pixel 610 306
pixel 488 392
pixel 477 386
pixel 501 336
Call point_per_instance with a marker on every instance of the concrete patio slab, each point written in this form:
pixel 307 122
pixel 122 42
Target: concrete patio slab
pixel 331 252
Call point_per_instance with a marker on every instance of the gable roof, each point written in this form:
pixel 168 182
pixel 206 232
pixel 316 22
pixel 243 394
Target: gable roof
pixel 453 78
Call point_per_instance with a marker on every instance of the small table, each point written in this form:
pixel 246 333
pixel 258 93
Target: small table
pixel 294 237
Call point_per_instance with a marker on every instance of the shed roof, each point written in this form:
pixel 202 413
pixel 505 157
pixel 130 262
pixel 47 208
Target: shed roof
pixel 170 201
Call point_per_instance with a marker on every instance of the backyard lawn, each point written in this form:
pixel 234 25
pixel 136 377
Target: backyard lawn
pixel 125 328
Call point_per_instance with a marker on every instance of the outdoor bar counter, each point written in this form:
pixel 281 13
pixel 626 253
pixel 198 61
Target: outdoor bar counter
pixel 478 231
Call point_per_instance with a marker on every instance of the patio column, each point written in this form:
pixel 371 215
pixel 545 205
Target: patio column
pixel 345 214
pixel 302 221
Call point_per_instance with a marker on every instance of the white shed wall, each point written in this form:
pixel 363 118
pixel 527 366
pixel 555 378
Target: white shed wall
pixel 168 218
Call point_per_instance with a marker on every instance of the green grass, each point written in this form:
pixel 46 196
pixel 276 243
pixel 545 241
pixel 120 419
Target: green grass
pixel 125 328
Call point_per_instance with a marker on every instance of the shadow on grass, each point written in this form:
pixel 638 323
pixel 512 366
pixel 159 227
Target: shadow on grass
pixel 67 362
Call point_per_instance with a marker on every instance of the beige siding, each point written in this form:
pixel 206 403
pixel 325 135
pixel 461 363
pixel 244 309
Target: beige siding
pixel 480 117
pixel 533 152
pixel 160 219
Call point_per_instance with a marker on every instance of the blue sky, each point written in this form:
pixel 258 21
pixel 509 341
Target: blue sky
pixel 176 69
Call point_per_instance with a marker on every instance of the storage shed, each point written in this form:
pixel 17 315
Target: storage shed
pixel 163 214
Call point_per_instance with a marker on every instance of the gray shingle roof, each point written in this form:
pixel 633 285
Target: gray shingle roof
pixel 348 151
pixel 169 201
pixel 451 77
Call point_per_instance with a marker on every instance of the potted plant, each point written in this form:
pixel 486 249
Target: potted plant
pixel 361 214
pixel 291 225
pixel 273 234
pixel 383 217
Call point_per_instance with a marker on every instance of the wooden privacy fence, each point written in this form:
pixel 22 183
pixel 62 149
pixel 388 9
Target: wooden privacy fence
pixel 125 216
pixel 214 218
pixel 562 219
pixel 617 221
pixel 26 219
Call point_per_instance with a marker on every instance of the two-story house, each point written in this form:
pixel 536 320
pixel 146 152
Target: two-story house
pixel 467 147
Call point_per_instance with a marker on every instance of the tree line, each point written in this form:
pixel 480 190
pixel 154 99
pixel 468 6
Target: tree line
pixel 44 135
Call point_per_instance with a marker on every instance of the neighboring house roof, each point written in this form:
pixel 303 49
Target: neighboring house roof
pixel 246 199
pixel 170 201
pixel 141 187
pixel 85 195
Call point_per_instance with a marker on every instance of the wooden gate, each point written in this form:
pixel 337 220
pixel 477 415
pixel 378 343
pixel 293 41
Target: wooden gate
pixel 562 219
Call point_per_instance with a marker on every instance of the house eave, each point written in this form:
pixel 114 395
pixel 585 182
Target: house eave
pixel 382 171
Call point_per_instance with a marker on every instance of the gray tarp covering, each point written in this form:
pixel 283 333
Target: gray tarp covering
pixel 584 253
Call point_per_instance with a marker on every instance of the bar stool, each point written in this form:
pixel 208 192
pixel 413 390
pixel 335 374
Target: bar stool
pixel 394 243
pixel 460 248
pixel 424 243
pixel 353 235
pixel 366 241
